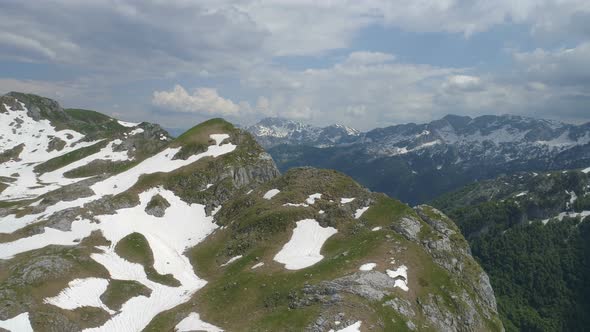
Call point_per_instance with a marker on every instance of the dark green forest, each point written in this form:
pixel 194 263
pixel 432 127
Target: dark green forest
pixel 540 273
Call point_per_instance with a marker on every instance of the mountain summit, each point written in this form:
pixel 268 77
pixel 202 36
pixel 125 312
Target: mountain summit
pixel 107 225
pixel 274 131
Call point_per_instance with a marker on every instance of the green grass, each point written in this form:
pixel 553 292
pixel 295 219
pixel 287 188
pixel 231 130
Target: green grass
pixel 199 134
pixel 70 157
pixel 12 153
pixel 120 291
pixel 265 292
pixel 135 248
pixel 100 167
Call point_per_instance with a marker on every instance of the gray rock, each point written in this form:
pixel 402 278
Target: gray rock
pixel 408 227
pixel 39 269
pixel 157 206
pixel 372 285
pixel 404 307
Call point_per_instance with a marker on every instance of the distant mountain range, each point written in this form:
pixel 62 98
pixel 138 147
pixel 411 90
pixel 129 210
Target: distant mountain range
pixel 442 155
pixel 276 131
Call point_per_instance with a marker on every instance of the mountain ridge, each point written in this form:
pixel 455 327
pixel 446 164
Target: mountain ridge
pixel 118 226
pixel 442 155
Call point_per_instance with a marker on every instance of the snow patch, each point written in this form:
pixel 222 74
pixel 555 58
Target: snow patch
pixel 231 260
pixel 586 170
pixel 161 162
pixel 127 124
pixel 303 249
pixel 19 323
pixel 346 200
pixel 193 322
pixel 356 327
pixel 257 265
pixel 81 293
pixel 296 204
pixel 312 198
pixel 359 212
pixel 271 193
pixel 401 277
pixel 573 198
pixel 135 131
pixel 18 128
pixel 182 226
pixel 367 267
pixel 562 215
pixel 378 228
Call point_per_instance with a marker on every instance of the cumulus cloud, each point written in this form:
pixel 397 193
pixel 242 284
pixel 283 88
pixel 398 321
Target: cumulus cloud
pixel 463 83
pixel 144 38
pixel 202 100
pixel 106 45
pixel 569 66
pixel 362 90
pixel 215 35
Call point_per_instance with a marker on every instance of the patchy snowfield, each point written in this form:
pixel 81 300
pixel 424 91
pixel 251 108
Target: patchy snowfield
pixel 303 249
pixel 56 179
pixel 401 277
pixel 161 162
pixel 359 212
pixel 81 293
pixel 193 322
pixel 312 198
pixel 35 137
pixel 182 226
pixel 271 193
pixel 346 200
pixel 562 215
pixel 367 267
pixel 18 323
pixel 79 230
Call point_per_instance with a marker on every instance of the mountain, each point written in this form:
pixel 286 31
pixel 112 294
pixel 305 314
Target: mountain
pixel 531 233
pixel 418 162
pixel 276 131
pixel 108 225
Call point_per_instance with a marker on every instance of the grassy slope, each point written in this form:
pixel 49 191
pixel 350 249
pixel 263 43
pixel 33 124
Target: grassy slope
pixel 260 229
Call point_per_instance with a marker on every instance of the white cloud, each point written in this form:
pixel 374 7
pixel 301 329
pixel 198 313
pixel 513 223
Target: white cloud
pixel 368 58
pixel 463 83
pixel 202 100
pixel 569 66
pixel 125 43
pixel 362 90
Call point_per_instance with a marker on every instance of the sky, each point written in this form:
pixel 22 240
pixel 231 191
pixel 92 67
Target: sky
pixel 364 64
